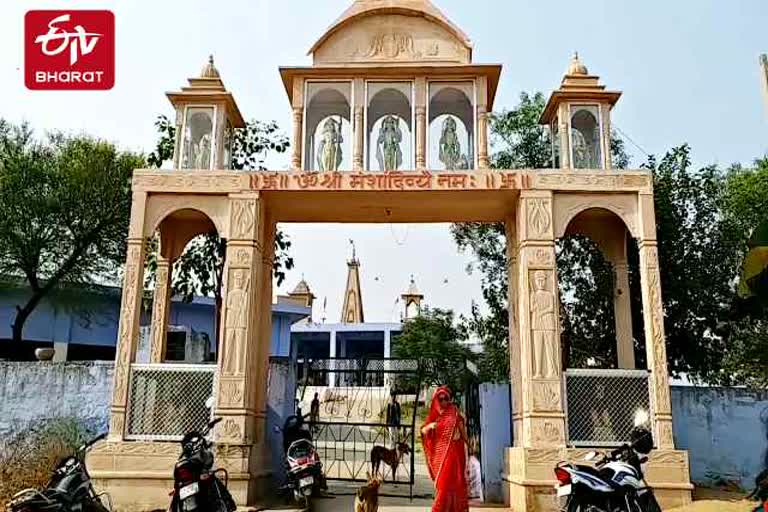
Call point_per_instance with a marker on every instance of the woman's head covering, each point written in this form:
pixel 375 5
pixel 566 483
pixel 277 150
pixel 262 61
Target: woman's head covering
pixel 436 443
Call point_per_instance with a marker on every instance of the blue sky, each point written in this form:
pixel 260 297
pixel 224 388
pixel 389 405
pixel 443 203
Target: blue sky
pixel 688 69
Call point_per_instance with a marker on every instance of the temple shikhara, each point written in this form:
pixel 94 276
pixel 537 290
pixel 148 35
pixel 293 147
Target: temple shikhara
pixel 390 124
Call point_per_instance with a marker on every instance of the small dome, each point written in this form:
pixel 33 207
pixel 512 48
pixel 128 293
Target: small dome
pixel 576 67
pixel 209 70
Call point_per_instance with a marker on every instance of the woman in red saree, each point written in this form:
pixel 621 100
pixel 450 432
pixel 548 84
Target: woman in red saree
pixel 444 437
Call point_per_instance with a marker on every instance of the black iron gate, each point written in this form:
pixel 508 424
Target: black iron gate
pixel 351 428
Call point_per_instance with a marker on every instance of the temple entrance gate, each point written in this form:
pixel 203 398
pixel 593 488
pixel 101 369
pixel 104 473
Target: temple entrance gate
pixel 352 419
pixel 390 125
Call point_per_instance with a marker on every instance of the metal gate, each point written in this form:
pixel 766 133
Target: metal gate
pixel 351 427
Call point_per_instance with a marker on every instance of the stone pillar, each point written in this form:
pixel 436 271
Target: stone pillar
pixel 483 161
pixel 420 98
pixel 515 369
pixel 359 145
pixel 563 121
pixel 625 347
pixel 130 312
pixel 332 355
pixel 653 325
pixel 161 305
pixel 298 143
pixel 605 112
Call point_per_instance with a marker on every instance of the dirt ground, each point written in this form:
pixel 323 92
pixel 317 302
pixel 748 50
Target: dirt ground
pixel 717 500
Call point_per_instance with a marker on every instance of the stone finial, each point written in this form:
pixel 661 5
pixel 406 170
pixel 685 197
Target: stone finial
pixel 576 67
pixel 209 70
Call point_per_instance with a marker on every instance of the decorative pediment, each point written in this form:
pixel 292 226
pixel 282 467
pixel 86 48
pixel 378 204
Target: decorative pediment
pixel 396 31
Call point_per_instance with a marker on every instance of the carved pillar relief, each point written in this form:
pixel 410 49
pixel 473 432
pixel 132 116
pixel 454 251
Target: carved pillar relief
pixel 514 344
pixel 421 137
pixel 605 111
pixel 161 306
pixel 357 154
pixel 625 347
pixel 539 324
pixel 655 343
pixel 565 139
pixel 298 119
pixel 483 162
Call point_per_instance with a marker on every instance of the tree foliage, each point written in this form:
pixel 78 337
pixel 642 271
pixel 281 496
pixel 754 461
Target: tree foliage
pixel 64 210
pixel 434 338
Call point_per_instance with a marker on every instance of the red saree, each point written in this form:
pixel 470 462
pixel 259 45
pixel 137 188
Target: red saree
pixel 446 457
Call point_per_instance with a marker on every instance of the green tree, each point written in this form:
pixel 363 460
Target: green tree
pixel 64 210
pixel 434 338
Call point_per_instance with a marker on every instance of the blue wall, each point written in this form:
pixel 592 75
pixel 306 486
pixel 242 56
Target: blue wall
pixel 64 324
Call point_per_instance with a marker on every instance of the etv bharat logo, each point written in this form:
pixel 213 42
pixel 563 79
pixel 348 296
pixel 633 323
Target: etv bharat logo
pixel 69 50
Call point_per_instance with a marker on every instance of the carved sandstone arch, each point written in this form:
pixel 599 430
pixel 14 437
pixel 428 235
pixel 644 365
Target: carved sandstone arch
pixel 211 209
pixel 568 207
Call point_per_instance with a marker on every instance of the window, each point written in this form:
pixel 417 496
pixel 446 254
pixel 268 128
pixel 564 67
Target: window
pixel 328 127
pixel 389 126
pixel 585 137
pixel 198 138
pixel 451 125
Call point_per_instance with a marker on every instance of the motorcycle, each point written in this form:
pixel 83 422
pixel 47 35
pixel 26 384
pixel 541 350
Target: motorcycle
pixel 68 490
pixel 196 486
pixel 304 469
pixel 616 483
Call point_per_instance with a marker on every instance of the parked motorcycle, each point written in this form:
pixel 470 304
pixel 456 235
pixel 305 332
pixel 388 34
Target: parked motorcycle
pixel 196 486
pixel 69 489
pixel 304 469
pixel 616 483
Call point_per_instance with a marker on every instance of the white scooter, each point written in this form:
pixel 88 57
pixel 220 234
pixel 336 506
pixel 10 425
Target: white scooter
pixel 616 483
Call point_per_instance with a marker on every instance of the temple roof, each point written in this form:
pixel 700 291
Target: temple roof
pixel 362 8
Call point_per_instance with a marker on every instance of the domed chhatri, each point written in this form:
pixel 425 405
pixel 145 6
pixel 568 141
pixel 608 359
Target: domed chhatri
pixel 577 67
pixel 209 70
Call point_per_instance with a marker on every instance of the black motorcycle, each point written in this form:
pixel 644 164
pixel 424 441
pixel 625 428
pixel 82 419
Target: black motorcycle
pixel 196 486
pixel 617 481
pixel 69 489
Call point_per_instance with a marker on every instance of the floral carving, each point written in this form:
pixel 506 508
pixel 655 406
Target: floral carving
pixel 231 393
pixel 546 432
pixel 546 396
pixel 539 217
pixel 243 218
pixel 232 430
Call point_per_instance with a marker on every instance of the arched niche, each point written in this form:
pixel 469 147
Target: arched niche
pixel 389 126
pixel 451 111
pixel 328 126
pixel 568 206
pixel 586 137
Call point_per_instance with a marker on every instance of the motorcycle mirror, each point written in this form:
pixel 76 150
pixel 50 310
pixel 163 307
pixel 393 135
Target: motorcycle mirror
pixel 641 417
pixel 209 402
pixel 590 456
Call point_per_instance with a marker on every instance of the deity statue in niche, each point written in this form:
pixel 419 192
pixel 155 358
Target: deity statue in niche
pixel 583 151
pixel 543 328
pixel 201 154
pixel 450 148
pixel 388 151
pixel 329 153
pixel 236 324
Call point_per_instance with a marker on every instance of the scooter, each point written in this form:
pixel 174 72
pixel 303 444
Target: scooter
pixel 616 483
pixel 69 489
pixel 196 486
pixel 304 469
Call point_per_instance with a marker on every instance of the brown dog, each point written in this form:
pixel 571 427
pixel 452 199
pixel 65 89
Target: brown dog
pixel 391 458
pixel 367 498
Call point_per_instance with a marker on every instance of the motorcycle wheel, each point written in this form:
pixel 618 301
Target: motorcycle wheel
pixel 574 505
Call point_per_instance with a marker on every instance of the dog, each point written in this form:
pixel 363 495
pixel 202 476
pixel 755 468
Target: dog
pixel 367 498
pixel 391 458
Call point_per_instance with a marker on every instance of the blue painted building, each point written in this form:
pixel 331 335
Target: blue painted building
pixel 83 324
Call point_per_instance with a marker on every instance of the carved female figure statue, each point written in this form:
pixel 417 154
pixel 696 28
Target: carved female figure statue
pixel 329 153
pixel 583 152
pixel 202 152
pixel 543 328
pixel 450 149
pixel 388 151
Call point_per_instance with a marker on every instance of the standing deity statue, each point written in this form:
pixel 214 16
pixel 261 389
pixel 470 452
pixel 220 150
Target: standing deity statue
pixel 583 154
pixel 329 153
pixel 450 149
pixel 236 324
pixel 543 328
pixel 202 152
pixel 388 151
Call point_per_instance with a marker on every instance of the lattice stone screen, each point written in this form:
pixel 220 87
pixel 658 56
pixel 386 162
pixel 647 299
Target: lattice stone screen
pixel 168 400
pixel 601 405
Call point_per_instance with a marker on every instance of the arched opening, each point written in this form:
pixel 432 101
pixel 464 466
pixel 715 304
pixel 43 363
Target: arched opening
pixel 586 150
pixel 328 135
pixel 389 127
pixel 185 262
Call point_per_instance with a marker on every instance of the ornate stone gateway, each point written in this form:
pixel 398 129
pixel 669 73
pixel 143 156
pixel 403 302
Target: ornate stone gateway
pixel 390 125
